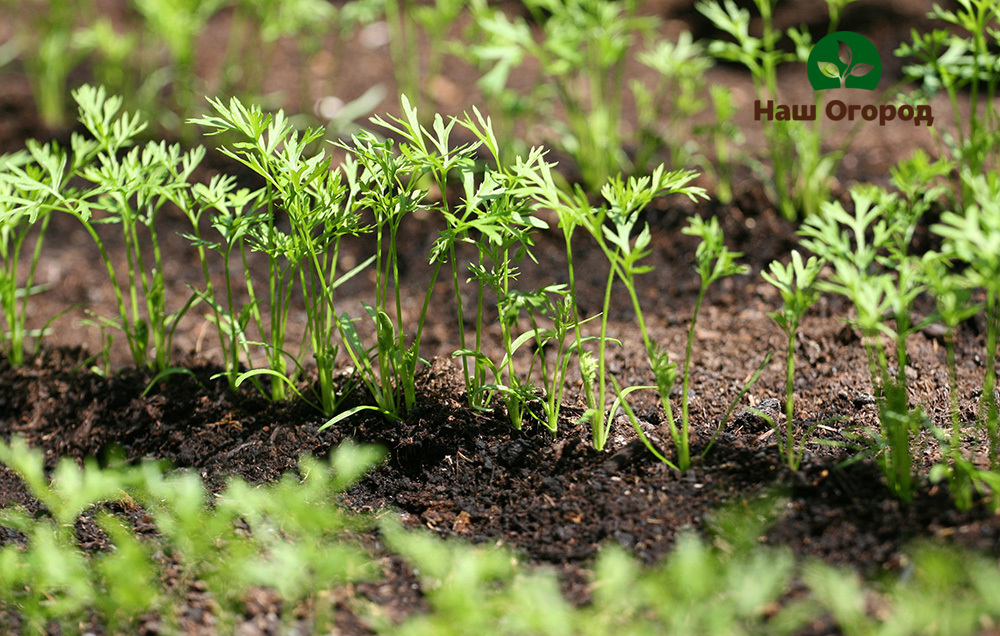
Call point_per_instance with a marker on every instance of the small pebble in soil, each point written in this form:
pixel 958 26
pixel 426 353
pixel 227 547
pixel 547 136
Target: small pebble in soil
pixel 862 399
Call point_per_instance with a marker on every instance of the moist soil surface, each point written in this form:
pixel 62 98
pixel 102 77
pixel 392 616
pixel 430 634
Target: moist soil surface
pixel 467 473
pixel 553 498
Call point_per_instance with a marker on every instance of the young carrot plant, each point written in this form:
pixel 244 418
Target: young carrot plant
pixel 495 217
pixel 675 97
pixel 796 282
pixel 573 208
pixel 232 212
pixel 581 67
pixel 126 187
pixel 554 304
pixel 320 211
pixel 389 183
pixel 496 271
pixel 624 253
pixel 132 191
pixel 613 228
pixel 954 305
pixel 23 212
pixel 962 63
pixel 972 237
pixel 505 225
pixel 51 50
pixel 869 253
pixel 799 172
pixel 713 262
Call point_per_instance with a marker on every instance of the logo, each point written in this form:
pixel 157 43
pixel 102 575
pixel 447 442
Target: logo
pixel 844 60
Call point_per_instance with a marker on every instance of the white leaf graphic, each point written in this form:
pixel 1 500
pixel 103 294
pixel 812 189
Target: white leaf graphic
pixel 829 69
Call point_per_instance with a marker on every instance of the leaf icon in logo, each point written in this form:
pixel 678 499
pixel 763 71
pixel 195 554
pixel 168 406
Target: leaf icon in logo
pixel 845 53
pixel 843 59
pixel 829 69
pixel 860 70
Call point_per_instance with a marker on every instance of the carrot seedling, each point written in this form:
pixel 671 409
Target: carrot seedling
pixel 796 282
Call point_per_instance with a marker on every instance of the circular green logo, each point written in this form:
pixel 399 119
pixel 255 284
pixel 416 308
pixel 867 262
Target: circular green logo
pixel 844 59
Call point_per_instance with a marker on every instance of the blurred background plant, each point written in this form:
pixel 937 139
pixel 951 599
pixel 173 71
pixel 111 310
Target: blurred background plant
pixel 795 169
pixel 152 52
pixel 961 59
pixel 578 95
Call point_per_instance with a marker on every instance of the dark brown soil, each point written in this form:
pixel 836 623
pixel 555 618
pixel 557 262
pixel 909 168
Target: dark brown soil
pixel 467 473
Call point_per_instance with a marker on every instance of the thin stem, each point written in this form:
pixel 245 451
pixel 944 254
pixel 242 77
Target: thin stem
pixel 131 252
pixel 956 426
pixel 598 428
pixel 119 299
pixel 513 399
pixel 679 437
pixel 15 320
pixel 588 390
pixel 23 316
pixel 539 355
pixel 461 321
pixel 790 450
pixel 209 289
pixel 408 380
pixel 254 305
pixel 683 450
pixel 157 304
pixel 480 370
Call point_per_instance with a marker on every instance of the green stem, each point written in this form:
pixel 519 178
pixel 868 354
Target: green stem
pixel 956 426
pixel 408 380
pixel 15 320
pixel 598 429
pixel 791 452
pixel 683 451
pixel 400 344
pixel 679 437
pixel 119 298
pixel 156 305
pixel 131 253
pixel 252 298
pixel 209 289
pixel 230 351
pixel 539 355
pixel 22 316
pixel 513 400
pixel 461 323
pixel 902 329
pixel 588 390
pixel 479 367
